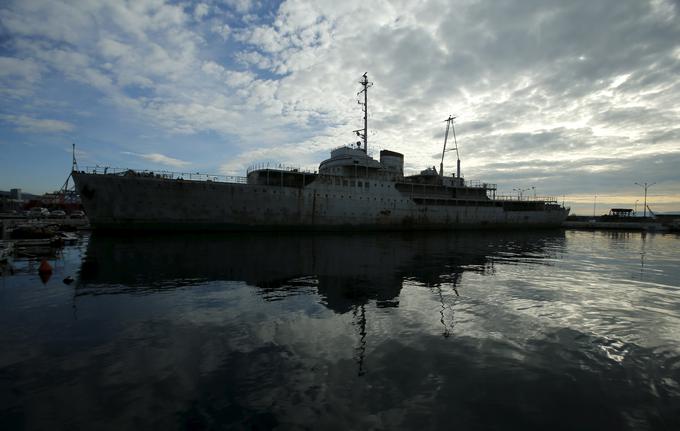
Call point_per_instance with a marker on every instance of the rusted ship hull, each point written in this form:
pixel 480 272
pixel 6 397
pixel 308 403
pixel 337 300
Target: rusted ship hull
pixel 154 203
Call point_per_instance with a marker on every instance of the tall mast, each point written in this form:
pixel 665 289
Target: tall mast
pixel 74 163
pixel 364 135
pixel 446 137
pixel 455 141
pixel 64 191
pixel 449 123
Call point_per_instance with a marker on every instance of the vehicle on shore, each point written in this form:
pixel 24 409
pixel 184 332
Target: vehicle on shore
pixel 38 212
pixel 57 214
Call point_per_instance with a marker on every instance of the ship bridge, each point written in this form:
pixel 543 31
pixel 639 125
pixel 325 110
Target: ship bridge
pixel 347 161
pixel 354 162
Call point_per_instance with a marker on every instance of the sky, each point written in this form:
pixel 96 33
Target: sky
pixel 573 99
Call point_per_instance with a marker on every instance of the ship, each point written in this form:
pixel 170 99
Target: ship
pixel 350 191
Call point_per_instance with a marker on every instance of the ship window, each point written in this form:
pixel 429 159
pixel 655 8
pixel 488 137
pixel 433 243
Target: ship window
pixel 368 184
pixel 360 184
pixel 344 182
pixel 337 181
pixel 352 183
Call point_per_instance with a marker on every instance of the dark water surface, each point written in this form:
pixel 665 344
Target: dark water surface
pixel 551 330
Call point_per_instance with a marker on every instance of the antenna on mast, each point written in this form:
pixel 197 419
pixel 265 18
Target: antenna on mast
pixel 364 135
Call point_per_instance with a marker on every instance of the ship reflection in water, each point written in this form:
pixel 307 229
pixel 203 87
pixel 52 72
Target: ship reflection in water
pixel 345 271
pixel 423 330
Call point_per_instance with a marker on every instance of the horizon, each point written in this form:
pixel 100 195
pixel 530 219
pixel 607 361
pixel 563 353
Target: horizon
pixel 575 100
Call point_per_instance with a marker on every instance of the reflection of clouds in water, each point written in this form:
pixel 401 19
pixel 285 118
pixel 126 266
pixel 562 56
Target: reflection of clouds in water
pixel 533 342
pixel 298 381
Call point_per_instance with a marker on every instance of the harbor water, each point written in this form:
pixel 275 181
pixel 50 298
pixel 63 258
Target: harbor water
pixel 464 330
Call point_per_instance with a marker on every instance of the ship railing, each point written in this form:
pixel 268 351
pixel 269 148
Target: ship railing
pixel 170 175
pixel 276 166
pixel 525 198
pixel 479 185
pixel 352 147
pixel 339 147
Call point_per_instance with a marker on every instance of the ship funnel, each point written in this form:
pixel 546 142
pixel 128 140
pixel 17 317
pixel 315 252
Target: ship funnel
pixel 392 161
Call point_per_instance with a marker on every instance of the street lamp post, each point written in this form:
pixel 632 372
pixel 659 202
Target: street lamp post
pixel 520 192
pixel 645 186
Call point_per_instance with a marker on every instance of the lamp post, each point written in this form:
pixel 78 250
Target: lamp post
pixel 534 190
pixel 645 186
pixel 520 193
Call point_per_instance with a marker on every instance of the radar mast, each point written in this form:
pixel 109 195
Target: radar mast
pixel 364 134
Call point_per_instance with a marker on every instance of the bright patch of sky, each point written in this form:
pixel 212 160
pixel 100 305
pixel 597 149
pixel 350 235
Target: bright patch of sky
pixel 571 98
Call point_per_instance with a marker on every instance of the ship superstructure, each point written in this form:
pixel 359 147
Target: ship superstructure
pixel 350 190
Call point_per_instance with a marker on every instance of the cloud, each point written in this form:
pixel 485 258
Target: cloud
pixel 26 124
pixel 160 159
pixel 223 30
pixel 200 11
pixel 240 6
pixel 19 76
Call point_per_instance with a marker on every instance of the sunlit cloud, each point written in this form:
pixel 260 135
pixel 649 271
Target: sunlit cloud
pixel 160 159
pixel 26 124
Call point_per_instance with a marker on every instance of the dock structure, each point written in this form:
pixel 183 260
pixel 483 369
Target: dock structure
pixel 625 219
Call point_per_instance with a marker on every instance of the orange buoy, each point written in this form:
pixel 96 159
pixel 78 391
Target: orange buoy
pixel 45 267
pixel 45 271
pixel 44 276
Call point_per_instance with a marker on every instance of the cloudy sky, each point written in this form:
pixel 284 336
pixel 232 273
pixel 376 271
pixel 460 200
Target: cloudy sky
pixel 574 98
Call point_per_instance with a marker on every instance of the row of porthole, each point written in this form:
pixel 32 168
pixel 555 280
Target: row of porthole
pixel 352 183
pixel 361 198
